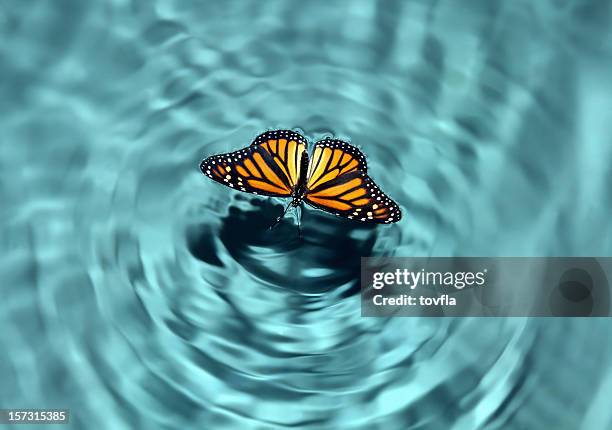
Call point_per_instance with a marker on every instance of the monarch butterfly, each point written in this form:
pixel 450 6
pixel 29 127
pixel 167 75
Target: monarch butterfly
pixel 333 179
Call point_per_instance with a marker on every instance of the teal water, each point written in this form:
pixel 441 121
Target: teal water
pixel 140 295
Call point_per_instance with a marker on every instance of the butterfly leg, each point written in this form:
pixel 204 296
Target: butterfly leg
pixel 299 216
pixel 281 217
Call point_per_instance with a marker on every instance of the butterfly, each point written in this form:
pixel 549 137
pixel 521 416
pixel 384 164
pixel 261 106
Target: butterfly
pixel 333 179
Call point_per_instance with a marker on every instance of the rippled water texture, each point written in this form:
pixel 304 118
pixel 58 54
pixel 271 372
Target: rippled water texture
pixel 139 294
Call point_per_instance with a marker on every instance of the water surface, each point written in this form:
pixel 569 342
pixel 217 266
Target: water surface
pixel 139 294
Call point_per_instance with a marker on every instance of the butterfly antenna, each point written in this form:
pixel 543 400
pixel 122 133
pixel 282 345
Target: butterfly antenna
pixel 280 217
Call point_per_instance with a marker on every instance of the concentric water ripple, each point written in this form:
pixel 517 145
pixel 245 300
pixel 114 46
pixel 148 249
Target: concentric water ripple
pixel 138 294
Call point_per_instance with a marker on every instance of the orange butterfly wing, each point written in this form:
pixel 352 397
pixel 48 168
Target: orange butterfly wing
pixel 270 166
pixel 338 183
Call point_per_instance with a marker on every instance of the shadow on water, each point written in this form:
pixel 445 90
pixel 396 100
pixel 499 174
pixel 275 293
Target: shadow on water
pixel 326 256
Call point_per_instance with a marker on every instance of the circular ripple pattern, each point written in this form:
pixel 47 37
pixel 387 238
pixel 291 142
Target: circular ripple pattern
pixel 138 294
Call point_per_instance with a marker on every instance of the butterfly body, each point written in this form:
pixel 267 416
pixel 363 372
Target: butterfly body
pixel 333 179
pixel 300 190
